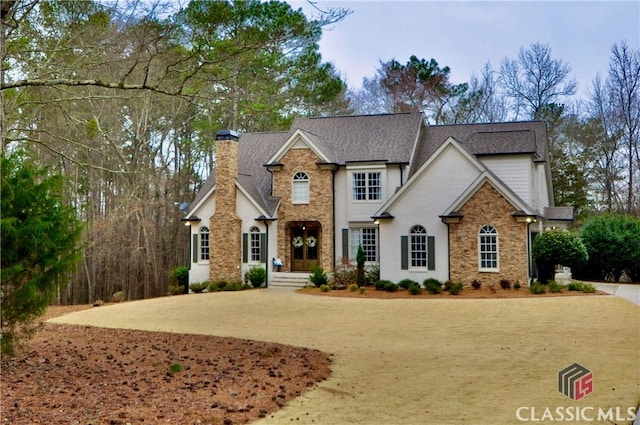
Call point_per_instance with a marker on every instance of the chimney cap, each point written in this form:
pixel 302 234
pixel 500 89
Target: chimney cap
pixel 226 135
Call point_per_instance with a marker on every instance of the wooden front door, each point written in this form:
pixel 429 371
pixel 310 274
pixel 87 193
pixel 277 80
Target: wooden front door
pixel 305 245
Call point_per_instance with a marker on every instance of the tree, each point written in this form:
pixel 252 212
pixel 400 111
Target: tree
pixel 360 260
pixel 557 247
pixel 624 88
pixel 613 243
pixel 40 245
pixel 535 79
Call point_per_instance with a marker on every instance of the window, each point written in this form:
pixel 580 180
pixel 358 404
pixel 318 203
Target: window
pixel 367 186
pixel 300 191
pixel 204 243
pixel 368 238
pixel 488 248
pixel 254 236
pixel 418 247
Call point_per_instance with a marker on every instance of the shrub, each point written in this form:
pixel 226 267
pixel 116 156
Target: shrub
pixel 174 290
pixel 362 289
pixel 505 284
pixel 216 286
pixel 344 276
pixel 406 283
pixel 379 285
pixel 324 288
pixel 360 259
pixel 415 289
pixel 447 285
pixel 318 276
pixel 537 288
pixel 476 284
pixel 555 287
pixel 574 286
pixel 353 287
pixel 613 244
pixel 179 277
pixel 433 286
pixel 257 276
pixel 557 247
pixel 372 274
pixel 235 286
pixel 199 287
pixel 588 288
pixel 455 288
pixel 390 286
pixel 517 285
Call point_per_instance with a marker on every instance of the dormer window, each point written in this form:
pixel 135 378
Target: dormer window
pixel 300 188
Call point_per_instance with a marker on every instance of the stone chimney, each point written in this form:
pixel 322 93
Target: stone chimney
pixel 225 238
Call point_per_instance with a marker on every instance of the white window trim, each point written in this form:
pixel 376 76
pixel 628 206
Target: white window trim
pixel 496 235
pixel 253 231
pixel 293 186
pixel 200 233
pixel 366 173
pixel 353 247
pixel 410 248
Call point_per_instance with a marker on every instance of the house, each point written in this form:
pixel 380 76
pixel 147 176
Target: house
pixel 459 202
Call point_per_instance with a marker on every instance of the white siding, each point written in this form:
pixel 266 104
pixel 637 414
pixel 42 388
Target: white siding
pixel 516 171
pixel 199 270
pixel 422 203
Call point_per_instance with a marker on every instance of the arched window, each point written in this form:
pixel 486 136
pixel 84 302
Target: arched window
pixel 418 247
pixel 488 249
pixel 204 243
pixel 300 189
pixel 254 240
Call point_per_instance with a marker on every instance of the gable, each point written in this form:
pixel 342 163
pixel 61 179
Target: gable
pixel 302 140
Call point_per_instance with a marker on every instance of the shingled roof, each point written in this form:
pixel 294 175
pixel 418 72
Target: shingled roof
pixel 392 138
pixel 524 137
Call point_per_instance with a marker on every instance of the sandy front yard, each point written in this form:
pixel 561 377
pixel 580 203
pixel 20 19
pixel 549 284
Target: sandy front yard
pixel 419 361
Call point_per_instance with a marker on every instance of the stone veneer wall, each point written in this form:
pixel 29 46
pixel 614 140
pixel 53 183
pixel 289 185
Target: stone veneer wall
pixel 319 208
pixel 225 229
pixel 488 207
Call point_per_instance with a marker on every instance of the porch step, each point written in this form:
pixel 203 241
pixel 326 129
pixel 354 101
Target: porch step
pixel 296 280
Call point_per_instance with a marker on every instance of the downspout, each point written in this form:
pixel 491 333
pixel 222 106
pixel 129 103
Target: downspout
pixel 333 213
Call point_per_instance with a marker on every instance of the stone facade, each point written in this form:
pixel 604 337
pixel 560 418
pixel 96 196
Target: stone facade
pixel 488 207
pixel 225 230
pixel 319 210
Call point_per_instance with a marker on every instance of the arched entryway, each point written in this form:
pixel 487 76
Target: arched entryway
pixel 304 240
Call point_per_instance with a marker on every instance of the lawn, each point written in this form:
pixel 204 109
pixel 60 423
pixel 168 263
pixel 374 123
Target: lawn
pixel 421 361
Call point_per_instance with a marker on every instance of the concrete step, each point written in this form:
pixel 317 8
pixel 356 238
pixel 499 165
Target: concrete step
pixel 283 279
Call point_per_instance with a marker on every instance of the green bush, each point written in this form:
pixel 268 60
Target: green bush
pixel 555 287
pixel 613 244
pixel 257 275
pixel 379 285
pixel 433 286
pixel 455 288
pixel 574 286
pixel 557 247
pixel 415 289
pixel 588 288
pixel 517 285
pixel 199 287
pixel 406 283
pixel 447 285
pixel 360 260
pixel 318 276
pixel 537 288
pixel 180 277
pixel 216 286
pixel 324 288
pixel 390 286
pixel 353 287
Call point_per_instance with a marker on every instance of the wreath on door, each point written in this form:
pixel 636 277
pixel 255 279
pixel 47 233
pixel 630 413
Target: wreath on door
pixel 298 241
pixel 311 241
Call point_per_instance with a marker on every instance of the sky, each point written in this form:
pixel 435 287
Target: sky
pixel 465 35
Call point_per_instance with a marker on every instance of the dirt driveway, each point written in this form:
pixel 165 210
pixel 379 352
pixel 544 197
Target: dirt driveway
pixel 420 361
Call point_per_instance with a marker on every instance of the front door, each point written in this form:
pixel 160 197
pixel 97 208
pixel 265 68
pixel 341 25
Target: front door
pixel 304 244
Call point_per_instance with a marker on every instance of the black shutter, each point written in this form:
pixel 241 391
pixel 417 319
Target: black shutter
pixel 431 252
pixel 345 244
pixel 194 247
pixel 404 252
pixel 263 247
pixel 245 247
